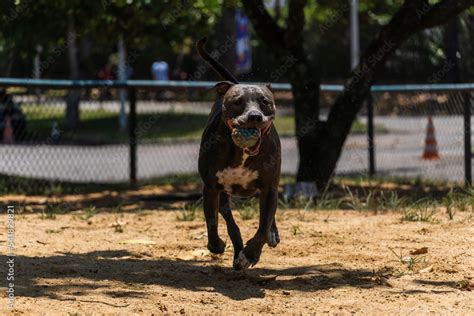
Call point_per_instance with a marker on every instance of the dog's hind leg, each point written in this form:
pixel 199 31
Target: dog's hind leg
pixel 211 201
pixel 273 238
pixel 232 228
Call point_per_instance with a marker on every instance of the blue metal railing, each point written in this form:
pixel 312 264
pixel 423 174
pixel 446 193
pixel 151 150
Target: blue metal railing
pixel 423 87
pixel 173 84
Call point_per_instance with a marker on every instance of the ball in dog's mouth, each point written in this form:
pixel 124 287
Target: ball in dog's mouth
pixel 245 137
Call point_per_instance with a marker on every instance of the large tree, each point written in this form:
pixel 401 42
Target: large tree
pixel 320 142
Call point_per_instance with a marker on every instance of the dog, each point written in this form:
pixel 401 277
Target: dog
pixel 228 170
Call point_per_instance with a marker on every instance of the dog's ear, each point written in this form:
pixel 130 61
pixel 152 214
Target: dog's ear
pixel 222 87
pixel 269 87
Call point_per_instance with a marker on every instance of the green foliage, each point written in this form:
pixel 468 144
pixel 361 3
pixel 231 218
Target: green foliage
pixel 326 41
pixel 161 29
pixel 390 201
pixel 410 262
pixel 150 28
pixel 375 200
pixel 52 210
pixel 295 230
pixel 247 208
pixel 190 212
pixel 89 213
pixel 422 211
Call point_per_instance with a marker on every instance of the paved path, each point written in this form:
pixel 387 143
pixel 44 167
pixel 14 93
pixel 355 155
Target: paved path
pixel 398 153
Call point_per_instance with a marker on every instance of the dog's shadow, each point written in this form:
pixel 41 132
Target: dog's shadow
pixel 76 274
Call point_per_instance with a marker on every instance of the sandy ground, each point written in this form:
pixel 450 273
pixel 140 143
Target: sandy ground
pixel 336 262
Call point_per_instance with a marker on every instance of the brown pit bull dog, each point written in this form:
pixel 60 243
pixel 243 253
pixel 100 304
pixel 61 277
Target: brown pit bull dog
pixel 245 170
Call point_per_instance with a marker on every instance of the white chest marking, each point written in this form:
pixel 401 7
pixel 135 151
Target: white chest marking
pixel 236 176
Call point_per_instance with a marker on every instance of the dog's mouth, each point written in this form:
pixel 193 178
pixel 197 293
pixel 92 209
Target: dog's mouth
pixel 248 138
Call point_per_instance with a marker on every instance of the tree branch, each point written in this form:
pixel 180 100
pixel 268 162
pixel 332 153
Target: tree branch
pixel 412 17
pixel 415 16
pixel 295 23
pixel 442 12
pixel 265 26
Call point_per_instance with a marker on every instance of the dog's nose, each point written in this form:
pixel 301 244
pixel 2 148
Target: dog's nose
pixel 255 116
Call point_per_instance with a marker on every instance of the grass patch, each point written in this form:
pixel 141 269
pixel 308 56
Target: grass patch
pixel 420 212
pixel 22 185
pixel 416 203
pixel 295 230
pixel 360 128
pixel 352 198
pixel 89 213
pixel 248 209
pixel 101 126
pixel 52 210
pixel 410 262
pixel 190 212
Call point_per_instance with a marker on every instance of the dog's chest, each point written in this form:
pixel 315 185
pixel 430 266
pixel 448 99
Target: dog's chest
pixel 239 175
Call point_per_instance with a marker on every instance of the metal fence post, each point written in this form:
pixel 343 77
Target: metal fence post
pixel 467 140
pixel 132 135
pixel 370 134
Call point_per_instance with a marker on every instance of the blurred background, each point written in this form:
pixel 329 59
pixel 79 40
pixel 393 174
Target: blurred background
pixel 167 31
pixel 56 134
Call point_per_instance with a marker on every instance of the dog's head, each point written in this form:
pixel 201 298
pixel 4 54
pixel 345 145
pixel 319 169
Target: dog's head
pixel 247 106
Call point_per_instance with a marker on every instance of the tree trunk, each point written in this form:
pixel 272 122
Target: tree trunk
pixel 226 36
pixel 305 85
pixel 8 65
pixel 333 134
pixel 73 97
pixel 451 50
pixel 468 63
pixel 321 143
pixel 277 10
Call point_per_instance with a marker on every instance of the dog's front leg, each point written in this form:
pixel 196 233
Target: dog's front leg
pixel 251 253
pixel 211 204
pixel 232 228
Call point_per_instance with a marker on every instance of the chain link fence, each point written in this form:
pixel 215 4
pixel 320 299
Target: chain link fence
pixel 155 132
pixel 404 144
pixel 44 147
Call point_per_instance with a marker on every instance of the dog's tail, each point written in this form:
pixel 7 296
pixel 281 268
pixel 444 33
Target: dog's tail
pixel 218 67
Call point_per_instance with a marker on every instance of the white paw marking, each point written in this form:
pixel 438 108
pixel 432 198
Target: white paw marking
pixel 236 176
pixel 242 261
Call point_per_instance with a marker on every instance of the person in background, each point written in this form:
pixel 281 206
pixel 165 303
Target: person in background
pixel 160 70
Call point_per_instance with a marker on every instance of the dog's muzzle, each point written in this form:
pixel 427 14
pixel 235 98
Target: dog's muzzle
pixel 249 139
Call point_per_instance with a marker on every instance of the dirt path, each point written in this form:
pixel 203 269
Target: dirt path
pixel 336 262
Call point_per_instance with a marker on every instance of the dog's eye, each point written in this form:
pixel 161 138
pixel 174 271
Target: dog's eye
pixel 238 102
pixel 265 102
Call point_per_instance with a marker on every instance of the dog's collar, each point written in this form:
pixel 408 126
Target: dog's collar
pixel 256 148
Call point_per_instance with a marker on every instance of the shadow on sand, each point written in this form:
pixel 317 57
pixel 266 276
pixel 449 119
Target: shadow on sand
pixel 77 274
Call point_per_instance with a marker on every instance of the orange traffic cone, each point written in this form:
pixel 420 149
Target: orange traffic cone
pixel 8 137
pixel 431 145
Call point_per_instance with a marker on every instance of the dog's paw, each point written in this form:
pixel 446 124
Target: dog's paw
pixel 273 239
pixel 241 262
pixel 249 256
pixel 216 247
